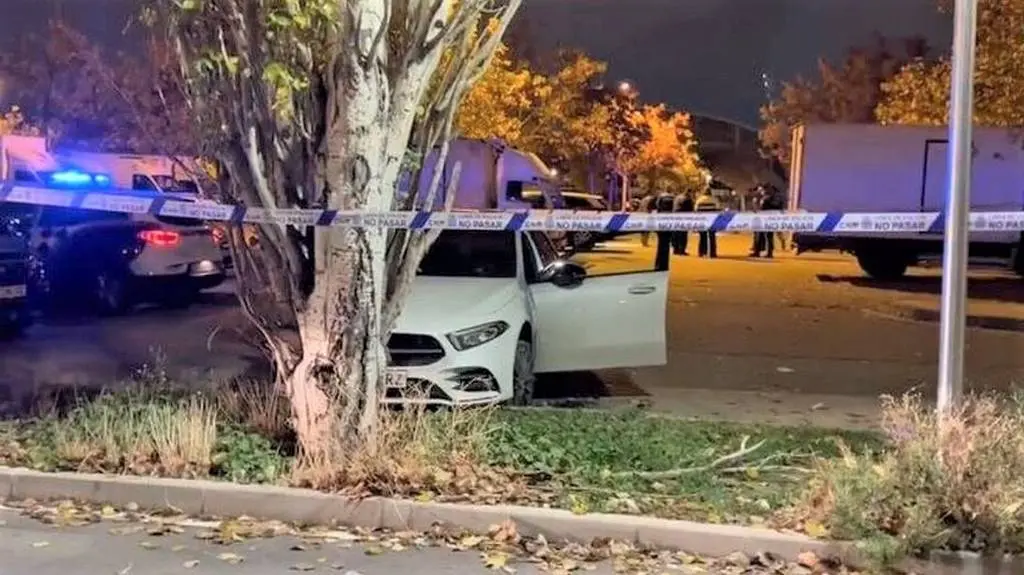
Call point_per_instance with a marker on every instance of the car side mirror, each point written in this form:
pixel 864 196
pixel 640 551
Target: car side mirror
pixel 564 274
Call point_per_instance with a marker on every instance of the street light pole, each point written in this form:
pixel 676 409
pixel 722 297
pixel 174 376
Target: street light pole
pixel 958 205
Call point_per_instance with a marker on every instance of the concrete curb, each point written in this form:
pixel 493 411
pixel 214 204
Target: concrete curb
pixel 211 498
pixel 992 322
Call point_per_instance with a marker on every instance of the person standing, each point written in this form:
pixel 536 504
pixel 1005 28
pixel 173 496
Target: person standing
pixel 681 203
pixel 646 206
pixel 765 242
pixel 708 244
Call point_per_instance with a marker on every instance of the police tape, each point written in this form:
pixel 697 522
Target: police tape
pixel 525 220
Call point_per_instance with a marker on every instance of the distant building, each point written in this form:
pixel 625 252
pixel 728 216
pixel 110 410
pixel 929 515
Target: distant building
pixel 730 149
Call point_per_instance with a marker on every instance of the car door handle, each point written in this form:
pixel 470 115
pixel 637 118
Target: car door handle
pixel 642 290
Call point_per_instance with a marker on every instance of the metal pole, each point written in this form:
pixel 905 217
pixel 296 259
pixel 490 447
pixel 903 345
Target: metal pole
pixel 958 205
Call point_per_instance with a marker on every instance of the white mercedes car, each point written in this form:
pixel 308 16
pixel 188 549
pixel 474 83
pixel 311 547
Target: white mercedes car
pixel 489 309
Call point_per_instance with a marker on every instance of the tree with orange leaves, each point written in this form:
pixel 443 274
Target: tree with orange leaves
pixel 667 158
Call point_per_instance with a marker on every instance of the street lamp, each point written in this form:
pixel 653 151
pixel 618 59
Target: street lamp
pixel 625 87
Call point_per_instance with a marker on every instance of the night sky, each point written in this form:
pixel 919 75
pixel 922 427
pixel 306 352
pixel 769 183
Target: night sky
pixel 706 56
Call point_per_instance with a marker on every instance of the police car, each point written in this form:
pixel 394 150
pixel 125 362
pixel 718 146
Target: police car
pixel 112 261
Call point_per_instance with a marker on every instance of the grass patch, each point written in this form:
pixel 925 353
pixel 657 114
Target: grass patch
pixel 586 461
pixel 637 463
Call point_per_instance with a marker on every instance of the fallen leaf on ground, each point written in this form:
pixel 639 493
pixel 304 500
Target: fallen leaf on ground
pixel 302 567
pixel 148 545
pixel 807 559
pixel 191 564
pixel 40 544
pixel 496 560
pixel 231 558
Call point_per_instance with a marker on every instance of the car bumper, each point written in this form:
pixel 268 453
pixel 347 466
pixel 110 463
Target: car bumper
pixel 177 282
pixel 478 376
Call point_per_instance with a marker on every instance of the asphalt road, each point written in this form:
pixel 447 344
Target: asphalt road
pixel 28 546
pixel 794 338
pixel 60 540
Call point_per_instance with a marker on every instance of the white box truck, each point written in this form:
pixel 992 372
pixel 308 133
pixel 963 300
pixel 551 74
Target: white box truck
pixel 871 168
pixel 139 172
pixel 492 176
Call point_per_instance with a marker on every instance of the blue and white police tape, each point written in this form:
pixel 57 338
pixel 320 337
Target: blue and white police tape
pixel 527 220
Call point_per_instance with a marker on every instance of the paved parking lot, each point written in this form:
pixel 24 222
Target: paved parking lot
pixel 790 339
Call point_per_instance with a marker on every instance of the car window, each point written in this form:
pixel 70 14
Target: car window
pixel 476 254
pixel 545 249
pixel 25 176
pixel 142 182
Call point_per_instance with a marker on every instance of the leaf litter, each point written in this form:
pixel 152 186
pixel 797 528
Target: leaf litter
pixel 502 549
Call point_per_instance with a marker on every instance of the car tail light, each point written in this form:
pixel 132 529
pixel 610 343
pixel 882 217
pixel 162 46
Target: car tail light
pixel 160 238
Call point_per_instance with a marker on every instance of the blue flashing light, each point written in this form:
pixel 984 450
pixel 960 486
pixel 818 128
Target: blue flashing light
pixel 72 178
pixel 78 179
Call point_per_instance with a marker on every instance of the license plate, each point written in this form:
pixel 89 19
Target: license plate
pixel 12 292
pixel 397 378
pixel 204 267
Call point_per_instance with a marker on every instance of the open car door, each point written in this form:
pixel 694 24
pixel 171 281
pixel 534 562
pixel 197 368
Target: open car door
pixel 602 309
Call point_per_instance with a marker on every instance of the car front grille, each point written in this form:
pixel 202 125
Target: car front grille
pixel 411 350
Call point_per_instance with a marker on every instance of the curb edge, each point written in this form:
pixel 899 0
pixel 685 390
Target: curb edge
pixel 212 498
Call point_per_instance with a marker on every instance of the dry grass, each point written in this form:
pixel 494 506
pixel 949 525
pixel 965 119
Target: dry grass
pixel 132 432
pixel 255 405
pixel 417 451
pixel 954 482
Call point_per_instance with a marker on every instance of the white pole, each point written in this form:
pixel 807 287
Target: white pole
pixel 958 205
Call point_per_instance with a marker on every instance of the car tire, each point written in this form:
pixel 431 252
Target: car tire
pixel 110 294
pixel 523 378
pixel 883 266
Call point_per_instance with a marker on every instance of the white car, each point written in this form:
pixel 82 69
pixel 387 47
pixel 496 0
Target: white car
pixel 490 309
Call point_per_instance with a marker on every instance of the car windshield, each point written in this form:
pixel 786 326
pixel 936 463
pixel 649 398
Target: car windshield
pixel 474 254
pixel 169 184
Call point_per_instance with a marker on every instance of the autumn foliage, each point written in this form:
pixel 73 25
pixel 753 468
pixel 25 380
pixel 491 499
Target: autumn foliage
pixel 571 120
pixel 919 93
pixel 847 92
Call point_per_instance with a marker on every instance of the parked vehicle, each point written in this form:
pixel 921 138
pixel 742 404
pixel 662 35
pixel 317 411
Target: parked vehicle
pixel 109 260
pixel 577 241
pixel 492 176
pixel 490 309
pixel 881 169
pixel 15 311
pixel 149 173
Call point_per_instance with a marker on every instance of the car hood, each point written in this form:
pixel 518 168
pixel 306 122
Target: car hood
pixel 444 304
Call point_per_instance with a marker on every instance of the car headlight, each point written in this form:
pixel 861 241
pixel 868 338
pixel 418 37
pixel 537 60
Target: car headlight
pixel 477 335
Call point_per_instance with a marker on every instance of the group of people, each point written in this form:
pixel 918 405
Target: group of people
pixel 767 198
pixel 707 245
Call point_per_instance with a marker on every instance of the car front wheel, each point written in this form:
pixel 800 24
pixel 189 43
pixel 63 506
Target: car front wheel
pixel 523 379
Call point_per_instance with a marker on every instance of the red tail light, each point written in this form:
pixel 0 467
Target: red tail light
pixel 160 238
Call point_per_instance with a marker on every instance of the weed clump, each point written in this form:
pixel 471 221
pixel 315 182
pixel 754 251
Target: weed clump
pixel 944 482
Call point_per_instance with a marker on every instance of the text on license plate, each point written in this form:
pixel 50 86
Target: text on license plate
pixel 396 378
pixel 12 292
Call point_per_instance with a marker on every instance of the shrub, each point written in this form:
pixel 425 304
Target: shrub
pixel 945 482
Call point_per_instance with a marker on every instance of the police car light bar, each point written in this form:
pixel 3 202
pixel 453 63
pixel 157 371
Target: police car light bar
pixel 78 179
